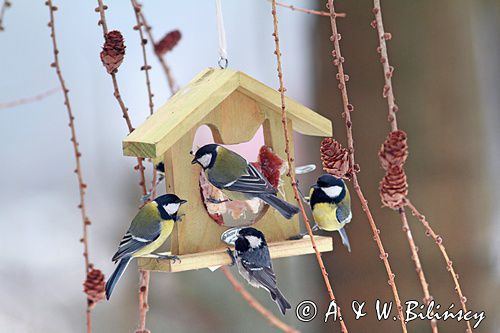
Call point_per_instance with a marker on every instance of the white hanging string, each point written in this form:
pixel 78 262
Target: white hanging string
pixel 222 35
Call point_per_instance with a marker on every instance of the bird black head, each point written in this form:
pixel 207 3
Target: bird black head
pixel 205 156
pixel 331 186
pixel 160 167
pixel 328 180
pixel 249 238
pixel 168 205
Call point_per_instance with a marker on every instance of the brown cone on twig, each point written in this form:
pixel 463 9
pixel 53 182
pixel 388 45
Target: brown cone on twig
pixel 113 51
pixel 394 188
pixel 394 150
pixel 94 286
pixel 168 42
pixel 335 159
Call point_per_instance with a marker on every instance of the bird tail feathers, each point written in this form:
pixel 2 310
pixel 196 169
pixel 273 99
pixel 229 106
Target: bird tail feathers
pixel 280 300
pixel 117 274
pixel 285 209
pixel 345 239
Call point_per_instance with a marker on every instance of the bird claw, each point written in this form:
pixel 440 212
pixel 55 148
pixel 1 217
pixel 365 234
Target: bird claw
pixel 315 227
pixel 145 198
pixel 216 201
pixel 165 256
pixel 297 237
pixel 231 255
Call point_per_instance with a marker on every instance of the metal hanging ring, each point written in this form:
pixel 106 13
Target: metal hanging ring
pixel 223 62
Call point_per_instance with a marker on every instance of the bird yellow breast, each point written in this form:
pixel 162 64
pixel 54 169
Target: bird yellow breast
pixel 326 218
pixel 166 230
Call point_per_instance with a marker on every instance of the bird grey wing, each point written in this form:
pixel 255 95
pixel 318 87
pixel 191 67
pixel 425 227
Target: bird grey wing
pixel 130 244
pixel 344 214
pixel 263 275
pixel 251 182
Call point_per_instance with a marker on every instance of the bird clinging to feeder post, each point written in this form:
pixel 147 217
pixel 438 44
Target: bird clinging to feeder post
pixel 234 106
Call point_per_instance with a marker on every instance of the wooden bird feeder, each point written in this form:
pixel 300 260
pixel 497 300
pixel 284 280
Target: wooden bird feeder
pixel 234 106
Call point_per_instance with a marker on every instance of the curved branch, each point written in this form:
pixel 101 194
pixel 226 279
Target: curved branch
pixel 78 170
pixel 449 264
pixel 290 162
pixel 348 108
pixel 273 320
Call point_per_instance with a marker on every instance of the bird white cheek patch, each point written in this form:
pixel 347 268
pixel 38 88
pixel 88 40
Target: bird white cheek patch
pixel 254 241
pixel 171 208
pixel 205 160
pixel 332 191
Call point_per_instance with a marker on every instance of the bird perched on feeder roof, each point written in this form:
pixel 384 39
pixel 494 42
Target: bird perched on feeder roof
pixel 149 229
pixel 238 179
pixel 331 205
pixel 252 258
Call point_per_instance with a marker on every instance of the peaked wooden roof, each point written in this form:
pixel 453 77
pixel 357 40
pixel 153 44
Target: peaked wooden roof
pixel 195 101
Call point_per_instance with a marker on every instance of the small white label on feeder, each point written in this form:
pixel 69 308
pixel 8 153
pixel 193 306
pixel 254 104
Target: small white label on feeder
pixel 303 169
pixel 214 268
pixel 230 235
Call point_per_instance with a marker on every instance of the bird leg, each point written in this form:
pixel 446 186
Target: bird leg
pixel 166 256
pixel 301 235
pixel 217 201
pixel 178 218
pixel 231 255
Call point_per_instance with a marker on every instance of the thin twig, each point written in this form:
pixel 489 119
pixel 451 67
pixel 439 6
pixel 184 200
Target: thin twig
pixel 143 305
pixel 102 22
pixel 290 162
pixel 348 108
pixel 449 264
pixel 273 320
pixel 166 68
pixel 307 11
pixel 143 301
pixel 418 266
pixel 78 170
pixel 388 69
pixel 388 93
pixel 29 100
pixel 146 67
pixel 5 4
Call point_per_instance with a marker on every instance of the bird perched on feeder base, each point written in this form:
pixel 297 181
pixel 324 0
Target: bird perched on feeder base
pixel 252 258
pixel 238 179
pixel 331 205
pixel 149 229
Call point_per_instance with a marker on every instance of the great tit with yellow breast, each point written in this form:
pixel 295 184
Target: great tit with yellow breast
pixel 148 230
pixel 331 205
pixel 252 258
pixel 238 179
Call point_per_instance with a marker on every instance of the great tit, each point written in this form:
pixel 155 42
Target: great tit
pixel 148 230
pixel 252 258
pixel 331 205
pixel 238 179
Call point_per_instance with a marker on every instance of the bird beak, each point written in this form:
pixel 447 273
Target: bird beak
pixel 182 201
pixel 194 161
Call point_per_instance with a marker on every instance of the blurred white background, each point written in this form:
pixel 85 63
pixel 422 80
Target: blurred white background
pixel 42 263
pixel 42 270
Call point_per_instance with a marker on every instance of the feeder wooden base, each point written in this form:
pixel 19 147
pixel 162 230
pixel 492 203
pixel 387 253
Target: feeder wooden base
pixel 220 257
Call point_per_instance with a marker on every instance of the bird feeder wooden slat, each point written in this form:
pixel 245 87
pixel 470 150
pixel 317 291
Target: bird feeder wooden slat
pixel 233 105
